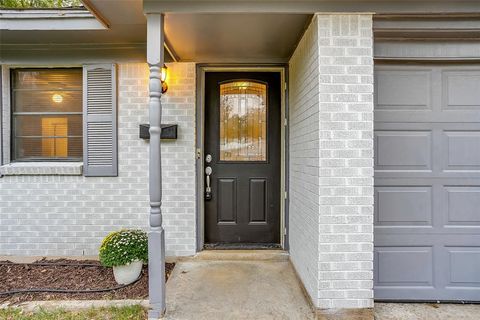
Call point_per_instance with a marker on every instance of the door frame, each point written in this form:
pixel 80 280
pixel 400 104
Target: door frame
pixel 201 70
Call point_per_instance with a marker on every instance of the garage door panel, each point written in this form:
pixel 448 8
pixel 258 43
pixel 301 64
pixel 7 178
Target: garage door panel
pixel 461 90
pixel 462 150
pixel 464 266
pixel 404 266
pixel 462 205
pixel 403 90
pixel 427 183
pixel 403 150
pixel 403 206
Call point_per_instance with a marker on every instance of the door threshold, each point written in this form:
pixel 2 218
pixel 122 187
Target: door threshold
pixel 242 255
pixel 242 246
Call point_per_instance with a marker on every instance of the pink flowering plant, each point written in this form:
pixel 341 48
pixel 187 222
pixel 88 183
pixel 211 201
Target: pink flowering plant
pixel 124 247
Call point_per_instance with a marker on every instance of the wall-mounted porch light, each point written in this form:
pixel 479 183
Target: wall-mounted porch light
pixel 163 78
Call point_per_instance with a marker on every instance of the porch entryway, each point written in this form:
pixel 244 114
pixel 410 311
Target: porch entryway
pixel 236 285
pixel 326 147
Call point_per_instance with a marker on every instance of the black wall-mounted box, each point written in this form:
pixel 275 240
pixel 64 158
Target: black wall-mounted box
pixel 169 131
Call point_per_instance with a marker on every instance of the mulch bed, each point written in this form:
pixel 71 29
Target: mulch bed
pixel 67 274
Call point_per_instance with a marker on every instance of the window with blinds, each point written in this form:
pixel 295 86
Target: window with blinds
pixel 47 114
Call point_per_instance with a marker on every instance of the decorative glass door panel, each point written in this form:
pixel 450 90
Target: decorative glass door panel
pixel 243 121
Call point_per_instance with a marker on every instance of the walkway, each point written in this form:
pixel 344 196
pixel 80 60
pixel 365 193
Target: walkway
pixel 236 285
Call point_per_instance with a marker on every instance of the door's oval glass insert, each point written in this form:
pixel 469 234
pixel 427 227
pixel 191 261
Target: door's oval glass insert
pixel 243 121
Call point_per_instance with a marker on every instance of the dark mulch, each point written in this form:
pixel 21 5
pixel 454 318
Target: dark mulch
pixel 72 276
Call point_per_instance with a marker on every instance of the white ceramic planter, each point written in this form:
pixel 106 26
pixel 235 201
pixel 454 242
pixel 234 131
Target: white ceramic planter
pixel 128 273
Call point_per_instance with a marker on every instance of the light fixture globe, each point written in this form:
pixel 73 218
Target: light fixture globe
pixel 57 98
pixel 163 78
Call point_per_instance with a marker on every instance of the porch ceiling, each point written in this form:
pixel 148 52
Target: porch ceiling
pixel 221 31
pixel 234 37
pixel 201 37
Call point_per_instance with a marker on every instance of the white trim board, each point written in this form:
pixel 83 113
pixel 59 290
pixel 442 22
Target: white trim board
pixel 49 20
pixel 427 50
pixel 309 6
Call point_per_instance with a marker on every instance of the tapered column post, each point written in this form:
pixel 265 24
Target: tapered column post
pixel 156 235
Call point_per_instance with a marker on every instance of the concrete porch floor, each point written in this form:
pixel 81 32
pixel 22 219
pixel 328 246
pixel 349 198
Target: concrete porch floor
pixel 236 285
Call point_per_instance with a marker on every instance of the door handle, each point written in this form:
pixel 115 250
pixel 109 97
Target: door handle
pixel 208 189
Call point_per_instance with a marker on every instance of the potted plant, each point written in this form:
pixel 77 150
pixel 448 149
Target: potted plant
pixel 126 251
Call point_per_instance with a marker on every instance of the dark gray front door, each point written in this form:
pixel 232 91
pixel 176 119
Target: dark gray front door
pixel 242 144
pixel 427 182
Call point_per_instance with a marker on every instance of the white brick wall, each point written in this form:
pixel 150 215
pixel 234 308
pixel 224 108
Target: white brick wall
pixel 69 215
pixel 303 168
pixel 344 160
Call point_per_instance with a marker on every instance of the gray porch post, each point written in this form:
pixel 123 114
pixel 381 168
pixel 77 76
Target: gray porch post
pixel 156 235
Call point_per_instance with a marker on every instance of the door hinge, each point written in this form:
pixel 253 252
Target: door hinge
pixel 285 86
pixel 285 122
pixel 284 231
pixel 286 195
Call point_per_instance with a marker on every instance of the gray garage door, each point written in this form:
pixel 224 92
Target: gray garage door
pixel 427 182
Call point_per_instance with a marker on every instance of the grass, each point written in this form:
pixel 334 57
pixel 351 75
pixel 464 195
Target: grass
pixel 135 312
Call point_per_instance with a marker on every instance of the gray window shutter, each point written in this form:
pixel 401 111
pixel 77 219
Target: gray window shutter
pixel 100 121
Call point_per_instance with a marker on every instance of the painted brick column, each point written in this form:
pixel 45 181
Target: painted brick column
pixel 346 161
pixel 331 163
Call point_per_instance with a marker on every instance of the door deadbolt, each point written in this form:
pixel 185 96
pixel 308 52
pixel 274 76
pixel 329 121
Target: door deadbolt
pixel 208 158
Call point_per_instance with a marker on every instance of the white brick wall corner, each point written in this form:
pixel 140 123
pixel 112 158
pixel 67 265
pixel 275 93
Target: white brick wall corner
pixel 69 215
pixel 341 164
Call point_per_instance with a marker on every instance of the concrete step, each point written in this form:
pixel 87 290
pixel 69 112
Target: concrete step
pixel 244 255
pixel 240 290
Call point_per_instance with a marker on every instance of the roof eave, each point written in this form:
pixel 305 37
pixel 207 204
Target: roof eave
pixel 49 19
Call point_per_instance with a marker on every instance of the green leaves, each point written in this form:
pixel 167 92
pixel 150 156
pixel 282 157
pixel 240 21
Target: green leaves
pixel 123 247
pixel 23 4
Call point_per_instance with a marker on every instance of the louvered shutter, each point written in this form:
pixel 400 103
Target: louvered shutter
pixel 100 121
